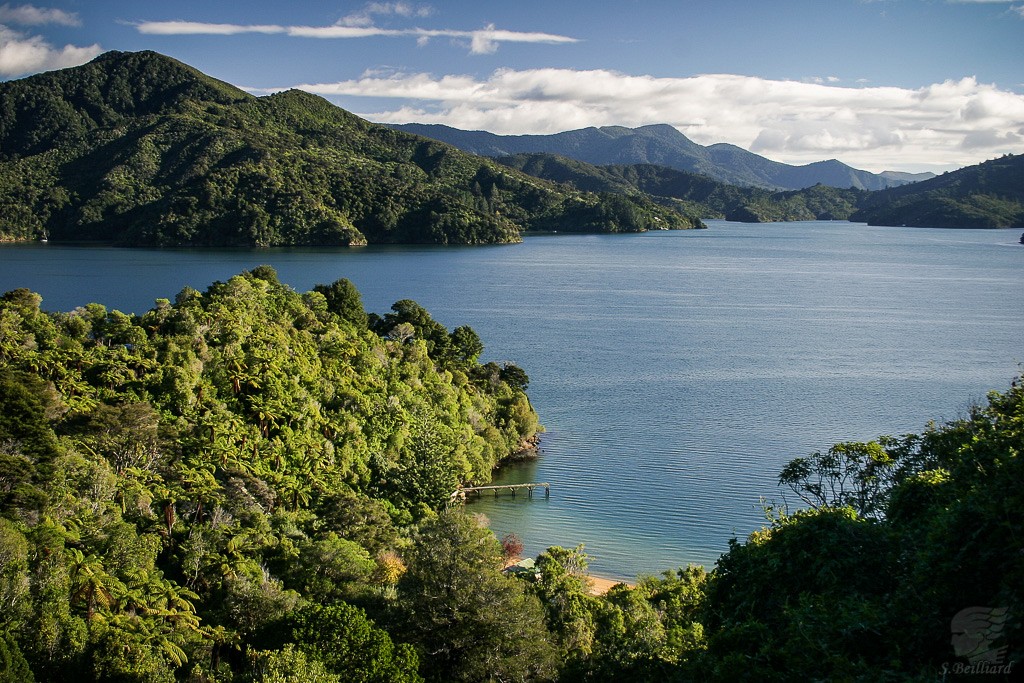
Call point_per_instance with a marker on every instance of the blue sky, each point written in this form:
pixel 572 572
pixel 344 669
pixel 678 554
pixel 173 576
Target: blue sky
pixel 879 84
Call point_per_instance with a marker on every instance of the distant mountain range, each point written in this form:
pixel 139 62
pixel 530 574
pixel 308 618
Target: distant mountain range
pixel 663 145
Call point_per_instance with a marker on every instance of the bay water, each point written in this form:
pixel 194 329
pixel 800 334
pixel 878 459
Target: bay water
pixel 675 372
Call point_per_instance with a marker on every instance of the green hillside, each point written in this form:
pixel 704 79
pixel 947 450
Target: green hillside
pixel 137 148
pixel 988 195
pixel 694 194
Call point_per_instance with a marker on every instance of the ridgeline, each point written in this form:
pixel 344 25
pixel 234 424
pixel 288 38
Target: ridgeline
pixel 663 145
pixel 139 149
pixel 988 195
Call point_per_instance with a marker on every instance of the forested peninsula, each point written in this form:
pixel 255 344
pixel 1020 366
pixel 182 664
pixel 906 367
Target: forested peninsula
pixel 140 149
pixel 250 484
pixel 986 195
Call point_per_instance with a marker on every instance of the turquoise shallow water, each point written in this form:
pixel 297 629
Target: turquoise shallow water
pixel 675 372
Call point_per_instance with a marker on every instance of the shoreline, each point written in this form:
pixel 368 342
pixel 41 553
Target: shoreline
pixel 596 585
pixel 599 585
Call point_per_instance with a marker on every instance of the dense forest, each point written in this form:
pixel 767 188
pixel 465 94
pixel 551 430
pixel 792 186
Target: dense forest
pixel 694 194
pixel 139 149
pixel 252 484
pixel 988 195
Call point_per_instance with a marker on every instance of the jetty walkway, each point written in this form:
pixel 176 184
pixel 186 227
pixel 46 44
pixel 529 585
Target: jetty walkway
pixel 461 494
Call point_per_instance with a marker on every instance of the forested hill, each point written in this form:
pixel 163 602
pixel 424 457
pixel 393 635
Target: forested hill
pixel 140 149
pixel 693 193
pixel 988 195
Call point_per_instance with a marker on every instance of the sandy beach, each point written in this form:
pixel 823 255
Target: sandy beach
pixel 600 585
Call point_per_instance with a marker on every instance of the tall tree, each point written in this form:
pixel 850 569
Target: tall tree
pixel 351 646
pixel 470 622
pixel 344 300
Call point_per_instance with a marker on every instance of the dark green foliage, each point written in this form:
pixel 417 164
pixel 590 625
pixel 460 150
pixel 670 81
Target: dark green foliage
pixel 515 376
pixel 332 568
pixel 64 106
pixel 13 667
pixel 344 300
pixel 694 195
pixel 960 515
pixel 349 645
pixel 23 420
pixel 830 594
pixel 459 349
pixel 421 326
pixel 359 518
pixel 28 445
pixel 855 475
pixel 467 347
pixel 469 622
pixel 140 149
pixel 825 571
pixel 989 195
pixel 814 203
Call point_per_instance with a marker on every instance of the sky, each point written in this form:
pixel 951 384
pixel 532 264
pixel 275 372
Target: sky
pixel 908 85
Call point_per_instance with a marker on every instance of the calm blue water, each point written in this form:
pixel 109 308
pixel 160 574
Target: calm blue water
pixel 675 372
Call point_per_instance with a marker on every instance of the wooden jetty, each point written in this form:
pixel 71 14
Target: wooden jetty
pixel 461 493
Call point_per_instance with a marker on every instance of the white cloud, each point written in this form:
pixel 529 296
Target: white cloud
pixel 30 15
pixel 943 125
pixel 486 40
pixel 176 28
pixel 482 41
pixel 22 54
pixel 364 17
pixel 1015 9
pixel 340 31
